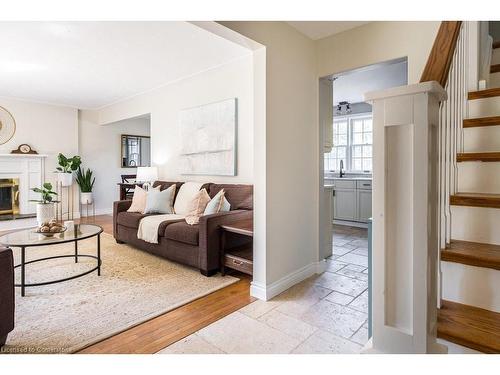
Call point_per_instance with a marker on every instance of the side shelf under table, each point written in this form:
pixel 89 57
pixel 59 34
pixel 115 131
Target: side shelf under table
pixel 239 258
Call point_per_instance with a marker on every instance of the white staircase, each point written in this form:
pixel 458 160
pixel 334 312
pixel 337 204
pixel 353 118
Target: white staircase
pixel 470 271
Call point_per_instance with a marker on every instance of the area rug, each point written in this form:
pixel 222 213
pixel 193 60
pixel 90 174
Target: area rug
pixel 134 286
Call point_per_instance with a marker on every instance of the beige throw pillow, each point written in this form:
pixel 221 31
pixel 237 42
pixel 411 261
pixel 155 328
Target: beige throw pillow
pixel 197 207
pixel 139 200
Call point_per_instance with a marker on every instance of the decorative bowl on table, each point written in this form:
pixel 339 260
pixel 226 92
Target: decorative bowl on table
pixel 49 229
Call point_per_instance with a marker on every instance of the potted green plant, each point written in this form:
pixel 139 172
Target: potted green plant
pixel 86 181
pixel 66 168
pixel 45 208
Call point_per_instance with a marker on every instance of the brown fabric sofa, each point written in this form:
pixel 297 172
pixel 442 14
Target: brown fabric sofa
pixel 194 245
pixel 6 294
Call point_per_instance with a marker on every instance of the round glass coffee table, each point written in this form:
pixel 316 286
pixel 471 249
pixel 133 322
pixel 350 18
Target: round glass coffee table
pixel 29 238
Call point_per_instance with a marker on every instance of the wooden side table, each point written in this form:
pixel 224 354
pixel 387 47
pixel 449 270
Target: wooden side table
pixel 240 258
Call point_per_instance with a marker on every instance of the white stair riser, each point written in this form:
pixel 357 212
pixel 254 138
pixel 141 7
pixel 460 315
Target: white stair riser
pixel 494 80
pixel 475 224
pixel 482 139
pixel 484 107
pixel 495 56
pixel 477 177
pixel 469 285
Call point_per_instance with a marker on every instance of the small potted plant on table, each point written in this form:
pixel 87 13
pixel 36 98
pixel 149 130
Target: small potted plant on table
pixel 45 208
pixel 86 182
pixel 66 168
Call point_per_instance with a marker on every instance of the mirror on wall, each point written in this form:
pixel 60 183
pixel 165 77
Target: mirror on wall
pixel 136 151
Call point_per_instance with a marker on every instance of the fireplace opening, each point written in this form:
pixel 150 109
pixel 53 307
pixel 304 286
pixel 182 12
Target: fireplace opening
pixel 9 197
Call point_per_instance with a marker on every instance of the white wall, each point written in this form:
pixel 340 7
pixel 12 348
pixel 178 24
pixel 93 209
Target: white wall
pixel 291 173
pixel 100 149
pixel 231 80
pixel 376 42
pixel 48 129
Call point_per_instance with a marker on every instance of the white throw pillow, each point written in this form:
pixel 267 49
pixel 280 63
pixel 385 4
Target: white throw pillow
pixel 186 194
pixel 139 200
pixel 217 204
pixel 160 202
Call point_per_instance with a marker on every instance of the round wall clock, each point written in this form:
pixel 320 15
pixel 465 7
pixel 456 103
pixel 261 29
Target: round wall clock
pixel 7 126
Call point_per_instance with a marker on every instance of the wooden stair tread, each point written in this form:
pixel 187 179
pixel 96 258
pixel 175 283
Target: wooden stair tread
pixel 478 156
pixel 481 94
pixel 469 326
pixel 472 254
pixel 475 200
pixel 495 68
pixel 496 44
pixel 481 121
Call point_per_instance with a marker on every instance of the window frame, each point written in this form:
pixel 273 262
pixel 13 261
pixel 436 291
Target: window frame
pixel 349 147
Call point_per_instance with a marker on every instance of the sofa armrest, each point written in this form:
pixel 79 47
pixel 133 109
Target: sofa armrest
pixel 119 206
pixel 210 236
pixel 6 293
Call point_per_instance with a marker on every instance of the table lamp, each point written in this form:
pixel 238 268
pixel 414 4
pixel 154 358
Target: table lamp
pixel 147 175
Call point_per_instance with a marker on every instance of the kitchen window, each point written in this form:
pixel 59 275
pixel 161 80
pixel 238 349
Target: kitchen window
pixel 352 143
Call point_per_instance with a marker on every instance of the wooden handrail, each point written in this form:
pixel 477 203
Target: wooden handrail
pixel 439 61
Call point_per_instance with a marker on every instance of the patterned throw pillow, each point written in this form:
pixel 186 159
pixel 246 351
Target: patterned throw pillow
pixel 197 207
pixel 160 202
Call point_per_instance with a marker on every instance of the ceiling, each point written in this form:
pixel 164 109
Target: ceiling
pixel 321 29
pixel 89 65
pixel 351 86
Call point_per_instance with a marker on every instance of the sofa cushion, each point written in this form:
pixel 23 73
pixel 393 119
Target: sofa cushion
pixel 129 219
pixel 186 194
pixel 183 232
pixel 166 184
pixel 240 197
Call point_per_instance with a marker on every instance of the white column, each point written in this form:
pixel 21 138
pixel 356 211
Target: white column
pixel 405 218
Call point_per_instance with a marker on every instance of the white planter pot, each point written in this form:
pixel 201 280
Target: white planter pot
pixel 45 212
pixel 66 179
pixel 86 198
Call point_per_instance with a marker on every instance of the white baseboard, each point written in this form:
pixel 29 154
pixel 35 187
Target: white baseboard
pixel 267 292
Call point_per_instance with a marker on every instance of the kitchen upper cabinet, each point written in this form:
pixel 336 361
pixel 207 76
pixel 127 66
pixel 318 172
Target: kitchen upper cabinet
pixel 364 205
pixel 345 204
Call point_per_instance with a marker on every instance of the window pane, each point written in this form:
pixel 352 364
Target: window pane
pixel 356 151
pixel 357 138
pixel 367 126
pixel 367 138
pixel 342 140
pixel 342 127
pixel 357 126
pixel 367 164
pixel 367 151
pixel 356 164
pixel 335 139
pixel 341 154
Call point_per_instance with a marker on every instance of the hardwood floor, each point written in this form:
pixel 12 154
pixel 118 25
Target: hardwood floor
pixel 162 331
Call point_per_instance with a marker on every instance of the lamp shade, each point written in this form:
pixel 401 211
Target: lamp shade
pixel 147 174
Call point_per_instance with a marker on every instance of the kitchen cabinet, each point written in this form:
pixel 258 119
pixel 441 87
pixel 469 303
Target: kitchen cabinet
pixel 364 200
pixel 352 199
pixel 345 204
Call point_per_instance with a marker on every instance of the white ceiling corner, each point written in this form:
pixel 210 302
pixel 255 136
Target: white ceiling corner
pixel 321 29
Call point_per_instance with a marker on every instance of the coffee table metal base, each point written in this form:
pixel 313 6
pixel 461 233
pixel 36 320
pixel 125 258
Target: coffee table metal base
pixel 23 264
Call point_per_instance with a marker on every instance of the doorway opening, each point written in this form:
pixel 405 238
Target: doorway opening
pixel 346 166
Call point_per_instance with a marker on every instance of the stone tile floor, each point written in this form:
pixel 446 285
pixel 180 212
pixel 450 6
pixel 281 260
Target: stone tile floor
pixel 324 314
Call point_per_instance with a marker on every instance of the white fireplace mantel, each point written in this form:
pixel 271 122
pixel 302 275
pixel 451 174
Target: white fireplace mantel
pixel 30 170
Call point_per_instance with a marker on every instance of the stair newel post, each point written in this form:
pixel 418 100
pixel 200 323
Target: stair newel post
pixel 405 218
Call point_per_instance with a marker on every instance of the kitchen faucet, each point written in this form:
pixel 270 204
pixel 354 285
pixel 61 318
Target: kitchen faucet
pixel 342 173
